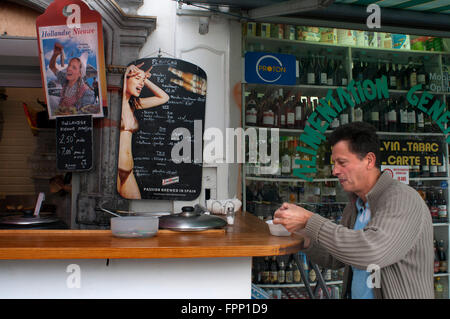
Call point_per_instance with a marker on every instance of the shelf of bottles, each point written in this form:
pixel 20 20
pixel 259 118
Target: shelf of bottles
pixel 328 59
pixel 280 277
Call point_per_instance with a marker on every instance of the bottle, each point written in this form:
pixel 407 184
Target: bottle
pixel 322 71
pixel 442 208
pixel 433 170
pixel 299 124
pixel 268 119
pixel 420 122
pixel 296 155
pixel 422 76
pixel 392 77
pixel 312 274
pixel 374 115
pixel 434 208
pixel 425 169
pixel 286 160
pixel 341 76
pixel 436 258
pixel 281 271
pixel 310 71
pixel 290 112
pixel 296 274
pixel 412 73
pixel 273 271
pixel 251 112
pixel 392 116
pixel 358 114
pixel 266 271
pixel 442 257
pixel 427 125
pixel 289 273
pixel 438 289
pixel 404 123
pixel 411 119
pixel 331 72
pixel 399 77
pixel 280 110
pixel 327 275
pixel 442 169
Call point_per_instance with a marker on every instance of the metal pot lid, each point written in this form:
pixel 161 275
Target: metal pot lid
pixel 189 220
pixel 21 220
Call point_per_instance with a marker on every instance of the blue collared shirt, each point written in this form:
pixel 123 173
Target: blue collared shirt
pixel 360 290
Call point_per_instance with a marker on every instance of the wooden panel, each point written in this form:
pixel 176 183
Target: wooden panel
pixel 249 236
pixel 17 143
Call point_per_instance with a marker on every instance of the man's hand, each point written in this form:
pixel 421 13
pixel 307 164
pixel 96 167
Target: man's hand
pixel 292 217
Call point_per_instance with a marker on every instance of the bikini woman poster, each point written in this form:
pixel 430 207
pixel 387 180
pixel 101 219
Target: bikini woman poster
pixel 160 96
pixel 72 59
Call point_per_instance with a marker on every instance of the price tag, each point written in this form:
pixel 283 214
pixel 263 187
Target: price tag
pixel 74 143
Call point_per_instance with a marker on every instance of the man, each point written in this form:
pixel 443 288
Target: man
pixel 385 227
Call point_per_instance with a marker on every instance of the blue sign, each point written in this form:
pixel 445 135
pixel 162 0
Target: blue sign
pixel 270 68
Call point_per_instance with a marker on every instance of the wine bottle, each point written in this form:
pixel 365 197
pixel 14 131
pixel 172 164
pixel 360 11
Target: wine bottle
pixel 403 116
pixel 290 112
pixel 392 77
pixel 331 72
pixel 310 72
pixel 299 110
pixel 322 71
pixel 412 73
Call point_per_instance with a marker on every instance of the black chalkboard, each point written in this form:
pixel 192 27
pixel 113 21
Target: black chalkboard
pixel 159 174
pixel 74 143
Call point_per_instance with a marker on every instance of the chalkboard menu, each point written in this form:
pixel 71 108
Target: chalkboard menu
pixel 161 132
pixel 74 143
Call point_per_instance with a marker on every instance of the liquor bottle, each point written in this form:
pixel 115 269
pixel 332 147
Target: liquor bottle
pixel 341 76
pixel 327 275
pixel 436 257
pixel 405 78
pixel 442 208
pixel 290 112
pixel 422 76
pixel 411 119
pixel 399 77
pixel 296 155
pixel 266 271
pixel 434 208
pixel 273 271
pixel 442 169
pixel 442 257
pixel 296 273
pixel 268 119
pixel 335 124
pixel 374 115
pixel 344 117
pixel 392 77
pixel 308 109
pixel 393 119
pixel 420 122
pixel 403 116
pixel 425 169
pixel 299 109
pixel 282 271
pixel 286 160
pixel 412 73
pixel 310 71
pixel 331 72
pixel 433 169
pixel 358 115
pixel 312 274
pixel 438 289
pixel 322 71
pixel 289 273
pixel 251 112
pixel 280 110
pixel 427 125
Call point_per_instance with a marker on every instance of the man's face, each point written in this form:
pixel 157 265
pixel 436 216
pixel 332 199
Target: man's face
pixel 351 171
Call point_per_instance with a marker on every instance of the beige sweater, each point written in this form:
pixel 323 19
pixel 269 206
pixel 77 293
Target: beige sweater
pixel 398 238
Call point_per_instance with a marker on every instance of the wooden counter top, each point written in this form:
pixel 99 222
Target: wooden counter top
pixel 249 236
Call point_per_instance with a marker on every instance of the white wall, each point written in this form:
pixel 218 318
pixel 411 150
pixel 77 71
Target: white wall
pixel 190 278
pixel 218 54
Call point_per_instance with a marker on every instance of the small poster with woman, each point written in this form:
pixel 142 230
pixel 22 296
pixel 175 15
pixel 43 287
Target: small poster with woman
pixel 72 62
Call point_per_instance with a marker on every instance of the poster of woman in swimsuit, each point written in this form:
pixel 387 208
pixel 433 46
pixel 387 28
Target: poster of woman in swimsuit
pixel 161 96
